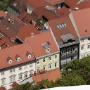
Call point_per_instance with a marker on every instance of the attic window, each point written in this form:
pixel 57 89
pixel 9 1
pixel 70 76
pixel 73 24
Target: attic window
pixel 61 25
pixel 18 58
pixel 28 55
pixel 15 4
pixel 9 59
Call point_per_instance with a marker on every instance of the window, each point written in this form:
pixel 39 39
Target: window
pixel 44 67
pixel 3 81
pixel 12 78
pixel 88 46
pixel 49 58
pixel 31 71
pixel 49 66
pixel 82 47
pixel 20 68
pixel 82 40
pixel 37 61
pixel 55 64
pixel 20 76
pixel 43 59
pixel 25 75
pixel 10 61
pixel 55 55
pixel 25 67
pixel 18 59
pixel 37 69
pixel 2 73
pixel 12 70
pixel 89 38
pixel 29 56
pixel 61 25
pixel 31 65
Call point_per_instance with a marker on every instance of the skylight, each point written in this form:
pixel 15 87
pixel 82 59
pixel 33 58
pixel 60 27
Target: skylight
pixel 61 25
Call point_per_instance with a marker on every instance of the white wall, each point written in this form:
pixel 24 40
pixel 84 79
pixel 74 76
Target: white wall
pixel 7 74
pixel 86 51
pixel 29 9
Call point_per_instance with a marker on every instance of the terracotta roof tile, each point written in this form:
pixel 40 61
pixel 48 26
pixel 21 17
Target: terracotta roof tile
pixel 26 30
pixel 82 20
pixel 21 5
pixel 10 29
pixel 34 4
pixel 2 88
pixel 42 11
pixel 68 29
pixel 20 50
pixel 25 17
pixel 15 84
pixel 40 39
pixel 50 75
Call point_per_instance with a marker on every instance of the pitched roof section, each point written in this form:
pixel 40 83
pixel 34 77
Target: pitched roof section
pixel 82 20
pixel 2 88
pixel 25 17
pixel 19 5
pixel 34 4
pixel 38 44
pixel 26 31
pixel 82 5
pixel 20 50
pixel 42 11
pixel 62 26
pixel 10 26
pixel 2 15
pixel 50 75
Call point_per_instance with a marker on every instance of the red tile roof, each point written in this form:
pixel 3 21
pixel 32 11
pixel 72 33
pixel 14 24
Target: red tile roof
pixel 10 29
pixel 15 84
pixel 68 29
pixel 50 75
pixel 34 4
pixel 82 5
pixel 2 13
pixel 37 41
pixel 11 52
pixel 2 88
pixel 42 11
pixel 82 20
pixel 63 11
pixel 25 17
pixel 26 30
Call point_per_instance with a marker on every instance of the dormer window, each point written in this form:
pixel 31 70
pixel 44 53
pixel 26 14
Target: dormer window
pixel 9 60
pixel 18 58
pixel 47 47
pixel 28 55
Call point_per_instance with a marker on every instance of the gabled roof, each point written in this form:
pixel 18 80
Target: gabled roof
pixel 63 11
pixel 11 52
pixel 19 5
pixel 25 17
pixel 82 5
pixel 42 11
pixel 82 20
pixel 34 4
pixel 66 29
pixel 50 75
pixel 69 2
pixel 36 43
pixel 10 26
pixel 26 31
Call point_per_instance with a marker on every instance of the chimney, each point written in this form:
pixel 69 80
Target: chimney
pixel 32 34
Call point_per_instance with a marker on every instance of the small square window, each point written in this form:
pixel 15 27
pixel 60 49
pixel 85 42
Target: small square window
pixel 55 64
pixel 49 58
pixel 20 68
pixel 38 69
pixel 55 55
pixel 20 76
pixel 37 61
pixel 2 73
pixel 44 67
pixel 82 47
pixel 88 46
pixel 31 65
pixel 43 59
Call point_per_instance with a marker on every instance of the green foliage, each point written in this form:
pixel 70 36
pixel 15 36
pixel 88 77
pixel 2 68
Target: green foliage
pixel 4 4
